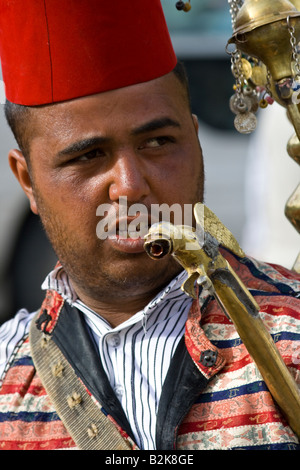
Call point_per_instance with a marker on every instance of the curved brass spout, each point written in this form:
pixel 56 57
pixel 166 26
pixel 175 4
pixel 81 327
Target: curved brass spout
pixel 206 266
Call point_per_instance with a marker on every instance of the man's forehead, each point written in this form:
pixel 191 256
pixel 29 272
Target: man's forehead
pixel 157 96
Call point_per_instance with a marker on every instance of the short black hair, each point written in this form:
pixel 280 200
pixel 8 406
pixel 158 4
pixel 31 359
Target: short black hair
pixel 181 73
pixel 18 116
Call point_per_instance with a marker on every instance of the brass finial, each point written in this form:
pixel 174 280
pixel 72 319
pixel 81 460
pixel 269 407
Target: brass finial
pixel 296 4
pixel 256 13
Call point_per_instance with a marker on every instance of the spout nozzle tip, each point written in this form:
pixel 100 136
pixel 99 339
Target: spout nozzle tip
pixel 157 249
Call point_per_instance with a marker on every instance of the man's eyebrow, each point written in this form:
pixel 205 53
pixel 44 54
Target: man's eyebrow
pixel 82 145
pixel 154 125
pixel 85 144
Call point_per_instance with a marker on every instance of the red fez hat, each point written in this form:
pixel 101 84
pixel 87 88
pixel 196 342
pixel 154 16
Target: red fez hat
pixel 56 50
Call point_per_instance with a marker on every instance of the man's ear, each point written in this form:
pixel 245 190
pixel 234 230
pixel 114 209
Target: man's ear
pixel 196 123
pixel 19 168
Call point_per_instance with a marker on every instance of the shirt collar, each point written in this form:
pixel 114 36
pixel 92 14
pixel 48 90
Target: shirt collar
pixel 58 280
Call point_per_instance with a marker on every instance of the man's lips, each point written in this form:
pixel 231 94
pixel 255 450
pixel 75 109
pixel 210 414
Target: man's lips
pixel 127 234
pixel 126 245
pixel 128 228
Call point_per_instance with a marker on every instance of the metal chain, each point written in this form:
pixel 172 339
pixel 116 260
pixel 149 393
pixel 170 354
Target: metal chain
pixel 234 6
pixel 268 84
pixel 237 71
pixel 236 55
pixel 293 42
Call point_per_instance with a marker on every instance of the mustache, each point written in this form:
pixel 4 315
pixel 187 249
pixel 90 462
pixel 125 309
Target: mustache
pixel 116 222
pixel 120 219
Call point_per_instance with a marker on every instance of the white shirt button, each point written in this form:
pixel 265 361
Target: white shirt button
pixel 114 340
pixel 119 391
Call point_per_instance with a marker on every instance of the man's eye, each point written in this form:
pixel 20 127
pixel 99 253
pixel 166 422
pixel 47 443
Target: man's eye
pixel 156 142
pixel 89 156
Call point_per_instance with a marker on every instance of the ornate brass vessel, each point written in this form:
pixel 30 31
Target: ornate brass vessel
pixel 263 30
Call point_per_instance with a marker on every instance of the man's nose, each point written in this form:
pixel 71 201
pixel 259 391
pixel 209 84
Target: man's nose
pixel 129 179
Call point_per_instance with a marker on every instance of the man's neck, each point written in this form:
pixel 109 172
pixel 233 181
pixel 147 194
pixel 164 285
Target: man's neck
pixel 117 311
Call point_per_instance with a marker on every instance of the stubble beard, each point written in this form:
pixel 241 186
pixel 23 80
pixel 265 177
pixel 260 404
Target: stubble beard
pixel 131 274
pixel 121 276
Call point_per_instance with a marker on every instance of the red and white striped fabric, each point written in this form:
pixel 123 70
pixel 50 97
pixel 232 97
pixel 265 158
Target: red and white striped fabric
pixel 235 409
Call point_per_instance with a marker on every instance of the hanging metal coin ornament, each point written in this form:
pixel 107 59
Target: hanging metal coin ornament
pixel 251 94
pixel 245 123
pixel 252 79
pixel 244 103
pixel 246 68
pixel 238 104
pixel 259 75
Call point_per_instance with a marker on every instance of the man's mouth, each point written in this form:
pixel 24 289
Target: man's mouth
pixel 132 231
pixel 127 227
pixel 127 235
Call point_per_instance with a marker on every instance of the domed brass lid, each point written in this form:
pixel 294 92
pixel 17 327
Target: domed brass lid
pixel 296 3
pixel 256 13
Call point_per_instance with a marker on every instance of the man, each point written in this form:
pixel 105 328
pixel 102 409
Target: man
pixel 101 114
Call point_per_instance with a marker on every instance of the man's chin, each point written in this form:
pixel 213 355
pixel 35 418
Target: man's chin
pixel 127 277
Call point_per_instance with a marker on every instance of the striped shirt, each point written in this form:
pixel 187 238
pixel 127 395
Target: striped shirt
pixel 135 355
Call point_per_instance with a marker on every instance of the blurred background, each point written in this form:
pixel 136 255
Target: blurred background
pixel 248 178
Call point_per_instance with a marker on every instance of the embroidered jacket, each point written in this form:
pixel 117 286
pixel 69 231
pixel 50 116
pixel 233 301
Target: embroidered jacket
pixel 213 396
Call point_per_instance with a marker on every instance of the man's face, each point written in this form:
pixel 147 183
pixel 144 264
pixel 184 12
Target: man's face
pixel 139 142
